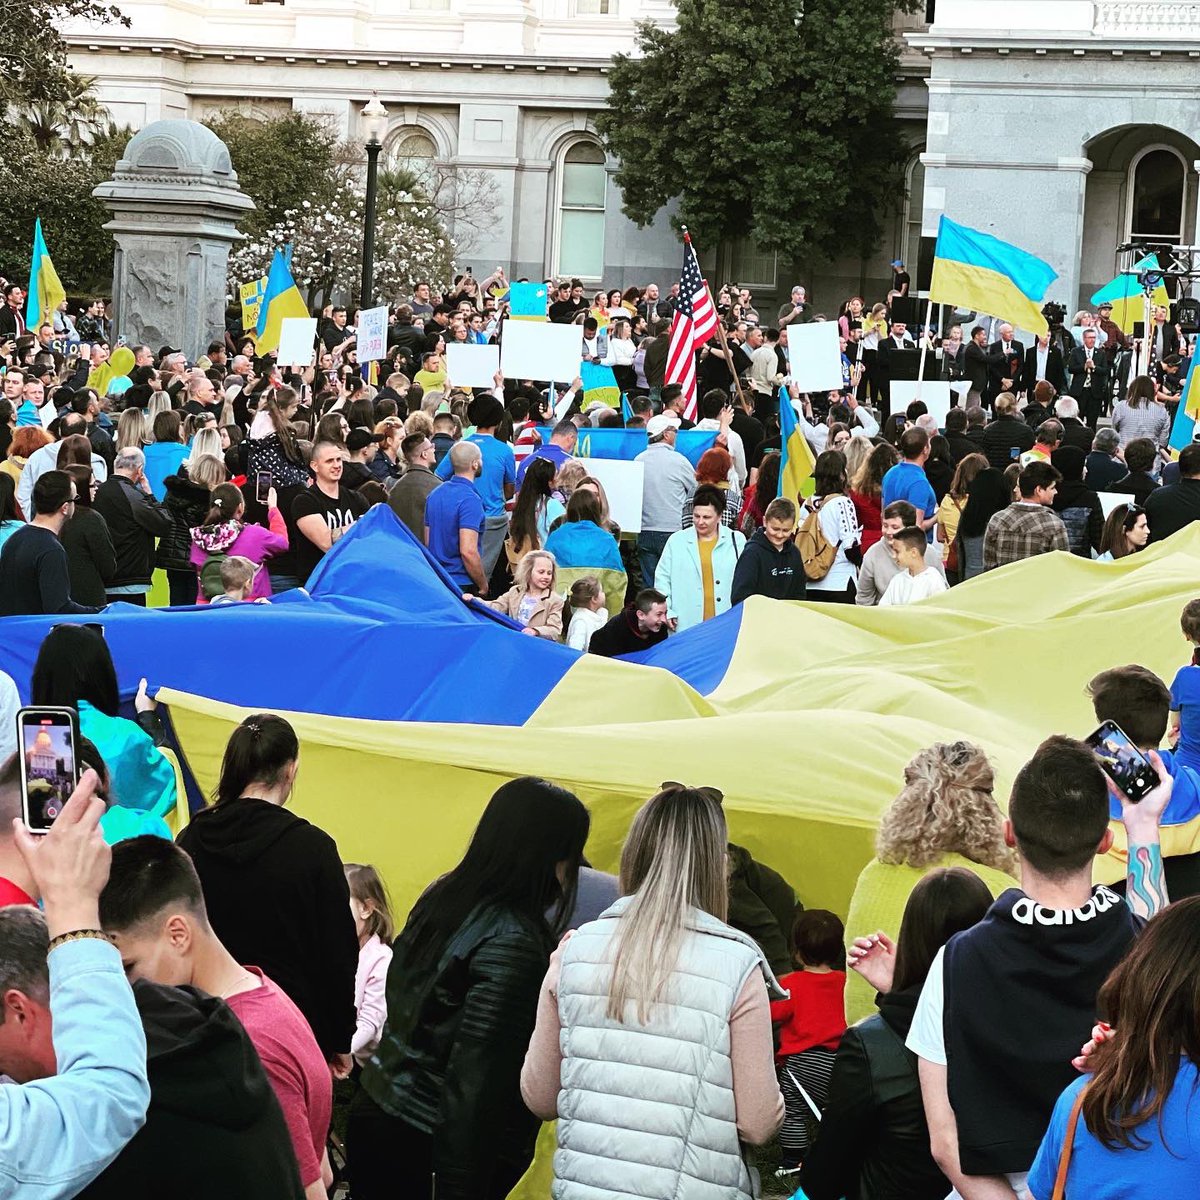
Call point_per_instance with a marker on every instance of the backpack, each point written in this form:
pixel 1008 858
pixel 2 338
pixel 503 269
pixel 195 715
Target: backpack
pixel 210 575
pixel 817 552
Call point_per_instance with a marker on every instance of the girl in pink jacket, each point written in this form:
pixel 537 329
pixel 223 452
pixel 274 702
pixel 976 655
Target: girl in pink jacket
pixel 224 533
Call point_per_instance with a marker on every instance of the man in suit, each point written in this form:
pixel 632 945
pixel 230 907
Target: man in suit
pixel 1089 367
pixel 1044 361
pixel 975 365
pixel 1006 364
pixel 898 339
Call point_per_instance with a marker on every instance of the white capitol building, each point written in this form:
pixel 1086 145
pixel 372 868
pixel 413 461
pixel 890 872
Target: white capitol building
pixel 1068 126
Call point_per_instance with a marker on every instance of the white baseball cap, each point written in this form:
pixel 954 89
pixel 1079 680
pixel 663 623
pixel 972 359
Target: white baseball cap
pixel 659 425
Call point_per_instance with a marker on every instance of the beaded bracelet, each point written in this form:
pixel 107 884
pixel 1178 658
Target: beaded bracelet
pixel 77 934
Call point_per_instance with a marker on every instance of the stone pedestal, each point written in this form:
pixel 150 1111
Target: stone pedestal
pixel 175 202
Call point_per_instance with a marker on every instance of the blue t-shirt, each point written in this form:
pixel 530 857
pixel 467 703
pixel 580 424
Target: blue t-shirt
pixel 1185 700
pixel 447 510
pixel 1185 795
pixel 907 481
pixel 499 468
pixel 1097 1173
pixel 556 454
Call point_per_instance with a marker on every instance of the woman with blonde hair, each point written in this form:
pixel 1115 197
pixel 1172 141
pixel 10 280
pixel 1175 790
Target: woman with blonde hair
pixel 531 601
pixel 945 816
pixel 857 451
pixel 949 511
pixel 653 1029
pixel 133 429
pixel 205 441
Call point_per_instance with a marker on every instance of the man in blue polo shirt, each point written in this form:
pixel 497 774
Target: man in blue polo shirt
pixel 559 449
pixel 497 480
pixel 454 520
pixel 907 479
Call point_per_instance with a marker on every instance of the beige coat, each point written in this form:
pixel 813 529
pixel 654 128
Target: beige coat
pixel 547 618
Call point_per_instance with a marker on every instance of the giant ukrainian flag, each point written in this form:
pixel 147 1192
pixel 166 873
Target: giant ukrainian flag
pixel 797 461
pixel 280 299
pixel 979 271
pixel 45 292
pixel 1127 297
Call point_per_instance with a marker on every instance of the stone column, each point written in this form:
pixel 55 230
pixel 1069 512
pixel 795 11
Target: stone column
pixel 175 202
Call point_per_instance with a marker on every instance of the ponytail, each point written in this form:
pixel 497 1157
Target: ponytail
pixel 226 499
pixel 260 749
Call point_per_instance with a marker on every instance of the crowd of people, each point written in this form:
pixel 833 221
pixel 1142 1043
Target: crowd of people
pixel 980 1021
pixel 234 478
pixel 187 1016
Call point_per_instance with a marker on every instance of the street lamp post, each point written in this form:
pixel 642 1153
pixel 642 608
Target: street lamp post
pixel 375 116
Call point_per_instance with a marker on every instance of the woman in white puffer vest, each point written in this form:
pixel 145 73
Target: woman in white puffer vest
pixel 653 1041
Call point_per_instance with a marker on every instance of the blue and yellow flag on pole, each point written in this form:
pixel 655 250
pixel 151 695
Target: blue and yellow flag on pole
pixel 979 271
pixel 1183 431
pixel 1126 295
pixel 797 461
pixel 45 291
pixel 281 299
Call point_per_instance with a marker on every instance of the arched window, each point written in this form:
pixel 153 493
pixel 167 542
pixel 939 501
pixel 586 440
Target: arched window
pixel 914 205
pixel 1156 203
pixel 582 182
pixel 413 151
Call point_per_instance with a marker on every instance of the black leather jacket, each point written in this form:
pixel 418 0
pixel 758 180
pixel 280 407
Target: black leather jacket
pixel 188 504
pixel 449 1061
pixel 874 1142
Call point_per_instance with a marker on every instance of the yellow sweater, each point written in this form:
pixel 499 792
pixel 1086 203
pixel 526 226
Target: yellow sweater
pixel 878 903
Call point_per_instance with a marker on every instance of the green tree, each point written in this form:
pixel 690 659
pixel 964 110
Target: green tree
pixel 280 162
pixel 35 182
pixel 773 119
pixel 33 51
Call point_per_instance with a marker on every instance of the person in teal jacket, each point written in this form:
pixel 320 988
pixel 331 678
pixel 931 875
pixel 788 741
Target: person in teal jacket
pixel 75 669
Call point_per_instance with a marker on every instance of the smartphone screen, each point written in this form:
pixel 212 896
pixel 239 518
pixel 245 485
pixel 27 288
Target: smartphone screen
pixel 49 765
pixel 1126 765
pixel 1014 452
pixel 262 485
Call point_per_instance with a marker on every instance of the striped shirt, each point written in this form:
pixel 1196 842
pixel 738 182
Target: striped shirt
pixel 1150 420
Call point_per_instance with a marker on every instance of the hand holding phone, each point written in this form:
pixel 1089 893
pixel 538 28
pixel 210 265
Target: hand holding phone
pixel 1124 764
pixel 262 486
pixel 70 863
pixel 47 740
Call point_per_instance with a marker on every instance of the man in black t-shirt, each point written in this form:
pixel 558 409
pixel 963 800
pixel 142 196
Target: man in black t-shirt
pixel 324 512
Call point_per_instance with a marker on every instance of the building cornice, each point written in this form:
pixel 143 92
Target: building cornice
pixel 1018 45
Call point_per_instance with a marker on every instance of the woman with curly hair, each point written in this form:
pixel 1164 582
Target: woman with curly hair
pixel 866 490
pixel 945 816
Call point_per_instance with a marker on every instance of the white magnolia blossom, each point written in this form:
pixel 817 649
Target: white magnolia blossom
pixel 411 245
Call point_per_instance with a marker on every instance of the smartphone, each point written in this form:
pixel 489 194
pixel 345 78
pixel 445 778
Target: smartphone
pixel 1126 765
pixel 47 739
pixel 1014 452
pixel 263 481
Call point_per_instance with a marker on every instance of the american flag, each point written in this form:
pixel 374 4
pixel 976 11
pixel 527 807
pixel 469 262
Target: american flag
pixel 695 321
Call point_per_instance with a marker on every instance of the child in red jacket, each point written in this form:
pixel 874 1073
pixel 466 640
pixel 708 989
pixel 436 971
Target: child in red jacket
pixel 811 1023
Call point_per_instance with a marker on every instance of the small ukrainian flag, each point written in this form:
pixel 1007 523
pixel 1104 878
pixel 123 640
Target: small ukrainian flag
pixel 797 463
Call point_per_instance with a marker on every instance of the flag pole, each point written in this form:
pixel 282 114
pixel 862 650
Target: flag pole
pixel 924 345
pixel 737 383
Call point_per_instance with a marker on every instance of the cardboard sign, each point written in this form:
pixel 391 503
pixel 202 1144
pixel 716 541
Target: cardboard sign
pixel 251 297
pixel 541 352
pixel 472 366
pixel 296 338
pixel 815 355
pixel 372 334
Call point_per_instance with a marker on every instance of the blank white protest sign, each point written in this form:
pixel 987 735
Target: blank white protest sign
pixel 472 366
pixel 815 355
pixel 935 395
pixel 296 338
pixel 540 351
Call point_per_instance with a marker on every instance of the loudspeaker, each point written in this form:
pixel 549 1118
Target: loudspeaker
pixel 904 308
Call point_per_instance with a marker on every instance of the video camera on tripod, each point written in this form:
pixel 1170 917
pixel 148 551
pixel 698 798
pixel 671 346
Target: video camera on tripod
pixel 1056 316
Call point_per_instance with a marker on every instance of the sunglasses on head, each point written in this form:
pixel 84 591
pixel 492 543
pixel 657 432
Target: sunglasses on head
pixel 709 793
